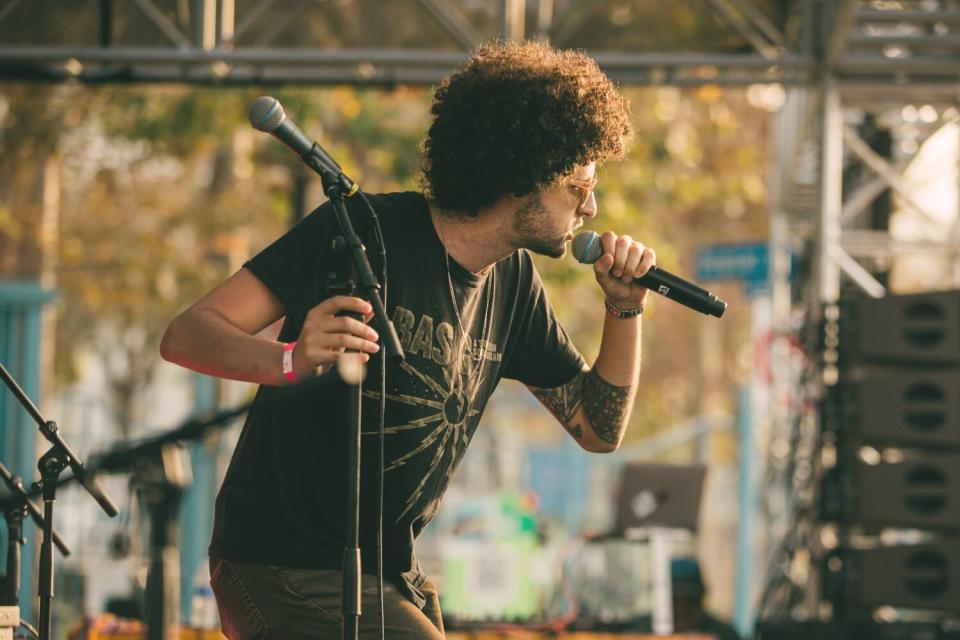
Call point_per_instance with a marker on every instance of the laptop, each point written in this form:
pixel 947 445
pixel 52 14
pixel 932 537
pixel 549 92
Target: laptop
pixel 658 495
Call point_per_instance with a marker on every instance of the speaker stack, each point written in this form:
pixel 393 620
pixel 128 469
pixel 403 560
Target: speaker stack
pixel 893 419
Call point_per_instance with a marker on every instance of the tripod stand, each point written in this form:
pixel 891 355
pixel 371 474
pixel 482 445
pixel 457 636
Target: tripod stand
pixel 51 465
pixel 160 475
pixel 15 509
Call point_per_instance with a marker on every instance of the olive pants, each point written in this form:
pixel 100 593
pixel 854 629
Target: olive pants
pixel 266 602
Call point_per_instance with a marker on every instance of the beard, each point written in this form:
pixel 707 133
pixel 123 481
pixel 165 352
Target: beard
pixel 532 226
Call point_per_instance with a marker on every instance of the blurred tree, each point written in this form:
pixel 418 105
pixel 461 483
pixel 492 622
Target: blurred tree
pixel 161 200
pixel 31 119
pixel 158 208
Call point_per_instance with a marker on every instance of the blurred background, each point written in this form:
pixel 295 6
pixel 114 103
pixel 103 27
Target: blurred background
pixel 799 158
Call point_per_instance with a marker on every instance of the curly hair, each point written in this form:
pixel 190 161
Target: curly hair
pixel 515 118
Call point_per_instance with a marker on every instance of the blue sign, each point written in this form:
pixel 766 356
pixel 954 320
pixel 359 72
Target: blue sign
pixel 747 262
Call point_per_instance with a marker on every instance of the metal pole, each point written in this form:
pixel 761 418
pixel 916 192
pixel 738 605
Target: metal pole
pixel 746 494
pixel 205 21
pixel 831 197
pixel 227 21
pixel 662 605
pixel 514 19
pixel 106 23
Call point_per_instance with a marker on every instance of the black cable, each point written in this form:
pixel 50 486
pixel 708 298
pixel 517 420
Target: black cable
pixel 378 234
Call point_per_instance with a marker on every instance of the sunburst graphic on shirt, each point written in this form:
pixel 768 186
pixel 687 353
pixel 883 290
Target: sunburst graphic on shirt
pixel 451 400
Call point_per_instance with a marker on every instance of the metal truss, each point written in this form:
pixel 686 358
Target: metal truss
pixel 231 42
pixel 871 59
pixel 219 49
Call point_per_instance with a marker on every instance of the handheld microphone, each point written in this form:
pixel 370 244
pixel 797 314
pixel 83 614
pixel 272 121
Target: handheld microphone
pixel 266 114
pixel 587 249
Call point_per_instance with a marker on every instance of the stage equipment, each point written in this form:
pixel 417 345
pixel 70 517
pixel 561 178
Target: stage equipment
pixel 587 249
pixel 160 477
pixel 892 420
pixel 266 114
pixel 659 495
pixel 922 493
pixel 903 407
pixel 856 630
pixel 921 328
pixel 924 576
pixel 160 473
pixel 656 501
pixel 15 507
pixel 51 465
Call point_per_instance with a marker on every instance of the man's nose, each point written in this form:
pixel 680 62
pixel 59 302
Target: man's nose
pixel 589 208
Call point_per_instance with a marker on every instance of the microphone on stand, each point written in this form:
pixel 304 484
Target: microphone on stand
pixel 587 249
pixel 266 114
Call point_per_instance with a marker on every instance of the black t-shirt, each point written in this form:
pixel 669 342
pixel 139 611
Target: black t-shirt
pixel 283 499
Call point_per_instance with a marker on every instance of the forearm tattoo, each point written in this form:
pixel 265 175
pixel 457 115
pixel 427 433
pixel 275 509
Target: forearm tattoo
pixel 606 406
pixel 563 401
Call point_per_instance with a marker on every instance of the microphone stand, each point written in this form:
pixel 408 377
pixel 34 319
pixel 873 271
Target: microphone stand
pixel 341 282
pixel 123 457
pixel 15 508
pixel 263 116
pixel 370 288
pixel 160 475
pixel 267 115
pixel 160 481
pixel 10 597
pixel 51 465
pixel 11 588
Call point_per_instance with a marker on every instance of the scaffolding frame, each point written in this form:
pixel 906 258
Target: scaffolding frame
pixel 912 50
pixel 213 53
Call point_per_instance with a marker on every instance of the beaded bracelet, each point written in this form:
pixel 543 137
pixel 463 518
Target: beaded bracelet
pixel 617 312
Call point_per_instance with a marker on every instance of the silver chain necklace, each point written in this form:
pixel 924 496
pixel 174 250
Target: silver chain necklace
pixel 478 349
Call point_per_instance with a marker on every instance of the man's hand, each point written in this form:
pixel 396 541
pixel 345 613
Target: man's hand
pixel 325 335
pixel 622 261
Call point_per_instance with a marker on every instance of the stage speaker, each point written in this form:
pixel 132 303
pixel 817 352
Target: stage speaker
pixel 922 493
pixel 918 576
pixel 855 630
pixel 906 408
pixel 921 328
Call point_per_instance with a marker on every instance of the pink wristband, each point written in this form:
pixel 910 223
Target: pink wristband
pixel 288 371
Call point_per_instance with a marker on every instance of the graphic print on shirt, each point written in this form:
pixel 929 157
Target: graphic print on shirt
pixel 450 399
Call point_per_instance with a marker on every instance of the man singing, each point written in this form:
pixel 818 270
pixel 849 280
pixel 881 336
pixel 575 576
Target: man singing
pixel 510 162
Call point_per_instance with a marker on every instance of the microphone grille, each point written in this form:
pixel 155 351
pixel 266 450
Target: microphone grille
pixel 266 114
pixel 587 247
